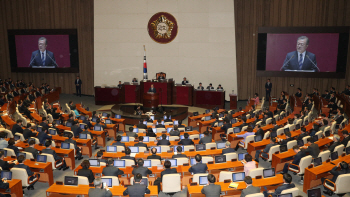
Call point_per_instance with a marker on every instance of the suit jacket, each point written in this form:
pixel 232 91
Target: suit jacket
pixel 301 136
pixel 98 192
pixel 184 82
pixel 250 190
pixel 136 190
pixel 179 156
pixel 141 145
pixel 313 150
pixel 27 133
pixel 5 165
pixel 211 190
pixel 78 81
pixel 167 171
pixel 2 102
pixel 345 141
pixel 200 88
pixel 281 188
pixel 16 129
pixel 42 136
pixel 32 150
pixel 87 173
pixel 268 86
pixel 152 90
pixel 142 170
pixel 154 157
pixel 51 152
pixel 21 165
pixel 298 157
pixel 151 134
pixel 72 142
pixel 35 60
pixel 292 59
pixel 198 168
pixel 76 130
pixel 228 150
pixel 131 134
pixel 14 148
pixel 337 173
pixel 335 144
pixel 111 171
pixel 174 132
pixel 205 139
pixel 186 142
pixel 225 127
pixel 43 124
pixel 163 142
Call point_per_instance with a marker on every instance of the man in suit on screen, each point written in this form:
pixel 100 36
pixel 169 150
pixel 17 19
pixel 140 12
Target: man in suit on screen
pixel 301 59
pixel 42 57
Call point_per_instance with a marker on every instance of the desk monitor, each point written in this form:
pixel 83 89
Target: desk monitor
pixel 144 122
pixel 175 147
pixel 283 148
pixel 220 124
pixel 5 152
pixel 39 128
pixel 58 122
pixel 17 137
pixel 108 121
pixel 207 118
pixel 220 159
pixel 82 126
pixel 108 181
pixel 147 163
pixel 21 153
pixel 334 156
pixel 273 134
pixel 233 121
pixel 154 129
pixel 317 161
pixel 97 128
pixel 156 147
pixel 135 130
pixel 285 195
pixel 65 145
pixel 193 161
pixel 134 149
pixel 152 118
pixel 257 138
pixel 119 163
pixel 169 129
pixel 165 117
pixel 201 136
pixel 169 117
pixel 162 123
pixel 236 130
pixel 125 139
pixel 145 138
pixel 71 180
pixel 300 143
pixel 314 192
pixel 207 111
pixel 221 115
pixel 241 156
pixel 286 129
pixel 117 116
pixel 347 150
pixel 315 138
pixel 239 176
pixel 167 137
pixel 104 114
pixel 297 126
pixel 269 172
pixel 111 149
pixel 176 122
pixel 69 124
pixel 82 136
pixel 41 158
pixel 94 162
pixel 182 137
pixel 220 145
pixel 6 175
pixel 189 128
pixel 203 180
pixel 93 119
pixel 200 147
pixel 195 113
pixel 82 118
pixel 173 162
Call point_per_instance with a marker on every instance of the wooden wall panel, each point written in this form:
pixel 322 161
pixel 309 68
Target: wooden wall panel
pixel 51 14
pixel 251 14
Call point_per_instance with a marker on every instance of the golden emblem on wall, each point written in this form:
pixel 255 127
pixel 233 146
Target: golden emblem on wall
pixel 162 27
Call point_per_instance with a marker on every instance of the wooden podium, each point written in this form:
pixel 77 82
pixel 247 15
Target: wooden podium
pixel 233 101
pixel 150 100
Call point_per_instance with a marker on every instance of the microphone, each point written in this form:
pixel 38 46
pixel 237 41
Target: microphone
pixel 312 62
pixel 287 62
pixel 51 58
pixel 33 59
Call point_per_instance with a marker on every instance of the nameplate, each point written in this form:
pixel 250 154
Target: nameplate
pixel 233 160
pixel 277 152
pixel 41 170
pixel 210 162
pixel 169 151
pixel 310 166
pixel 258 177
pixel 186 164
pixel 59 183
pixel 191 150
pixel 227 181
pixel 212 148
pixel 193 184
pixel 195 138
pixel 328 160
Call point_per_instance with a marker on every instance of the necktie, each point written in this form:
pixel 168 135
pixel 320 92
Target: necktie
pixel 43 59
pixel 301 61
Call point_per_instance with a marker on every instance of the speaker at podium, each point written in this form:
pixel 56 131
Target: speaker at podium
pixel 150 100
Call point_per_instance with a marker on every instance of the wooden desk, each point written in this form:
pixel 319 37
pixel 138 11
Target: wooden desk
pixel 150 100
pixel 8 121
pixel 84 144
pixel 183 94
pixel 15 187
pixel 120 122
pixel 108 95
pixel 209 99
pixel 233 101
pixel 164 88
pixel 101 137
pixel 82 110
pixel 312 176
pixel 193 120
pixel 44 169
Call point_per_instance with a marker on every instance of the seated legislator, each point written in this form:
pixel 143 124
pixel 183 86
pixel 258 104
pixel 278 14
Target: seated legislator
pixel 77 149
pixel 4 185
pixel 226 125
pixel 140 169
pixel 210 87
pixel 303 133
pixel 110 170
pixel 31 148
pixel 118 143
pixel 127 155
pixel 199 167
pixel 48 150
pixel 5 165
pixel 163 141
pixel 134 80
pixel 17 128
pixel 140 143
pixel 346 137
pixel 85 171
pixel 137 190
pixel 206 138
pixel 43 136
pixel 28 133
pixel 152 89
pixel 167 169
pixel 150 133
pixel 76 128
pixel 175 131
pixel 184 82
pixel 2 100
pixel 287 184
pixel 140 125
pixel 266 149
pixel 344 169
pixel 211 190
pixel 312 148
pixel 228 148
pixel 130 133
pixel 250 189
pixel 12 146
pixel 31 174
pixel 219 87
pixel 299 93
pixel 250 131
pixel 186 141
pixel 99 191
pixel 154 154
pixel 248 163
pixel 300 59
pixel 179 153
pixel 299 154
pixel 336 139
pixel 200 87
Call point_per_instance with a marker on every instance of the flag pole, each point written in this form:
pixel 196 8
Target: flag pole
pixel 145 77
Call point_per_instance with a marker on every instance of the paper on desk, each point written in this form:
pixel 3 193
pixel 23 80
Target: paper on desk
pixel 233 185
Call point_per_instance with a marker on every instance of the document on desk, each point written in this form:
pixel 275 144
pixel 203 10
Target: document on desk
pixel 233 185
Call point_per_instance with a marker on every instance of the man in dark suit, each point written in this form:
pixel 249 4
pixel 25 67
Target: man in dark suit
pixel 303 133
pixel 48 150
pixel 141 125
pixel 266 149
pixel 134 80
pixel 301 59
pixel 17 128
pixel 211 190
pixel 228 148
pixel 5 165
pixel 168 169
pixel 184 82
pixel 210 87
pixel 200 87
pixel 152 89
pixel 28 133
pixel 199 167
pixel 186 141
pixel 76 129
pixel 312 149
pixel 268 87
pixel 206 138
pixel 250 189
pixel 154 154
pixel 226 125
pixel 31 149
pixel 42 57
pixel 120 85
pixel 137 190
pixel 299 154
pixel 179 153
pixel 99 191
pixel 140 169
pixel 140 143
pixel 130 133
pixel 346 138
pixel 118 143
pixel 43 136
pixel 287 184
pixel 77 149
pixel 336 139
pixel 163 141
pixel 110 170
pixel 44 122
pixel 175 131
pixel 219 87
pixel 78 83
pixel 344 169
pixel 2 100
pixel 31 175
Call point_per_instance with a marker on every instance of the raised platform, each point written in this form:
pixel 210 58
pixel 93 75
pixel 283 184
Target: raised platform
pixel 127 112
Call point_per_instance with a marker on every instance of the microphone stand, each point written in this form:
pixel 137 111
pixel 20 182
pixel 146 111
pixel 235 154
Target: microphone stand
pixel 312 62
pixel 51 59
pixel 287 62
pixel 33 59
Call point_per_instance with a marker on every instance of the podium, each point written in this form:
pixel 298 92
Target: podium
pixel 150 100
pixel 233 101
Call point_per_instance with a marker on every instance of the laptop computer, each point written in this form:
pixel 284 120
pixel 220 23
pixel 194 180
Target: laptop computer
pixel 176 122
pixel 175 147
pixel 164 117
pixel 125 139
pixel 189 128
pixel 17 137
pixel 220 145
pixel 147 163
pixel 65 145
pixel 117 116
pixel 82 118
pixel 107 181
pixel 207 111
pixel 82 126
pixel 220 124
pixel 257 138
pixel 71 180
pixel 93 119
pixel 82 136
pixel 286 129
pixel 145 138
pixel 144 181
pixel 111 149
pixel 144 122
pixel 200 147
pixel 41 158
pixel 6 175
pixel 317 161
pixel 108 121
pixel 135 130
pixel 58 122
pixel 220 159
pixel 269 172
pixel 233 121
pixel 39 128
pixel 134 149
pixel 68 124
pixel 207 118
pixel 104 114
pixel 94 162
pixel 152 118
pixel 169 129
pixel 334 156
pixel 195 113
pixel 239 176
pixel 300 143
pixel 241 156
pixel 236 130
pixel 201 136
pixel 97 128
pixel 173 162
pixel 203 180
pixel 119 163
pixel 283 148
pixel 193 161
pixel 314 192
